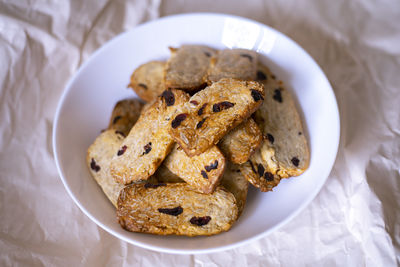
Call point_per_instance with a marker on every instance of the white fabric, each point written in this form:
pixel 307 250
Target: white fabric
pixel 355 219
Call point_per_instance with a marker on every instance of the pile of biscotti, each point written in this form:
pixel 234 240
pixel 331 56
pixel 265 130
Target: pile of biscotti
pixel 213 121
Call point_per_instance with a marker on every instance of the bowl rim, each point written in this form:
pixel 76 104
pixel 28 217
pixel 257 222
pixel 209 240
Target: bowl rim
pixel 305 203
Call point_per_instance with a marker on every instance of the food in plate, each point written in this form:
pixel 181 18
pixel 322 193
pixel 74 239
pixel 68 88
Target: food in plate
pixel 214 122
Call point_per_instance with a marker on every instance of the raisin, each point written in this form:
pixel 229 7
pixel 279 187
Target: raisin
pixel 143 85
pixel 200 123
pixel 295 161
pixel 116 119
pixel 200 221
pixel 169 97
pixel 173 211
pixel 273 76
pixel 268 176
pixel 178 119
pixel 237 170
pixel 260 170
pixel 207 54
pixel 270 138
pixel 147 148
pixel 277 95
pixel 247 56
pixel 204 174
pixel 201 110
pixel 256 95
pixel 252 166
pixel 149 185
pixel 120 133
pixel 261 75
pixel 94 166
pixel 122 150
pixel 222 105
pixel 194 102
pixel 299 133
pixel 212 166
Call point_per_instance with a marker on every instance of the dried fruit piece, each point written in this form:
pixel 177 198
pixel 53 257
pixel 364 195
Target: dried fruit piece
pixel 295 161
pixel 277 95
pixel 200 221
pixel 147 148
pixel 168 97
pixel 212 166
pixel 270 138
pixel 201 110
pixel 94 166
pixel 222 106
pixel 204 174
pixel 178 120
pixel 261 76
pixel 256 95
pixel 200 123
pixel 172 211
pixel 122 150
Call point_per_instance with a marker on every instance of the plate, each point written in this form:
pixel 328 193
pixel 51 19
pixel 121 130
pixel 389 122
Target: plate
pixel 88 99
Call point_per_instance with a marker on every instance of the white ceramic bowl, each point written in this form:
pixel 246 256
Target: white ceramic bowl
pixel 89 97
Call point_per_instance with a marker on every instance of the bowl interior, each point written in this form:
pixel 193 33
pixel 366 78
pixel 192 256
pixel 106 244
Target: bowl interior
pixel 87 102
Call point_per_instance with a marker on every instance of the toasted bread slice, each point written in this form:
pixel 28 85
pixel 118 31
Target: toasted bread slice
pixel 233 63
pixel 240 143
pixel 175 208
pixel 148 80
pixel 187 67
pixel 202 172
pixel 148 142
pixel 213 112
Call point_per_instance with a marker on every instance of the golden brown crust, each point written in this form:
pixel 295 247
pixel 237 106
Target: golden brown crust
pixel 124 115
pixel 233 63
pixel 175 208
pixel 234 181
pixel 149 142
pixel 202 172
pixel 240 143
pixel 214 111
pixel 98 159
pixel 164 175
pixel 284 152
pixel 148 80
pixel 187 67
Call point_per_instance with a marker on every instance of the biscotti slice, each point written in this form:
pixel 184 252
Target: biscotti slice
pixel 213 112
pixel 98 159
pixel 175 208
pixel 233 63
pixel 240 143
pixel 164 175
pixel 235 182
pixel 202 172
pixel 187 67
pixel 148 142
pixel 124 115
pixel 148 80
pixel 284 152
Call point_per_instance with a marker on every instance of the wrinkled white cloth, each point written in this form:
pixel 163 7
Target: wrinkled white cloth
pixel 354 220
